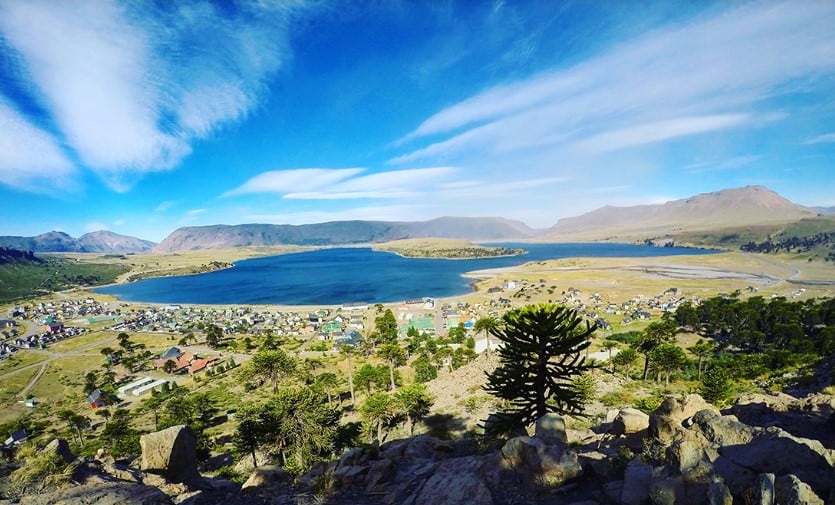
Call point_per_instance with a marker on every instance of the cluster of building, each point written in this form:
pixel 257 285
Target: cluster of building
pixel 86 310
pixel 245 319
pixel 182 362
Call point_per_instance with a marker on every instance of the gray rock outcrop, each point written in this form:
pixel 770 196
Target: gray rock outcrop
pixel 629 421
pixel 101 493
pixel 171 453
pixel 60 448
pixel 266 476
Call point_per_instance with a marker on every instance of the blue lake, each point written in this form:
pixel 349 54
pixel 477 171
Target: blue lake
pixel 344 275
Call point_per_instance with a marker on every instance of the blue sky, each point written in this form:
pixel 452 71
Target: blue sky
pixel 141 117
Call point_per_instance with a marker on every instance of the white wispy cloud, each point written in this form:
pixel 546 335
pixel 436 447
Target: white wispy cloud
pixel 722 164
pixel 344 183
pixel 130 86
pixel 165 205
pixel 367 213
pixel 821 139
pixel 30 158
pixel 675 82
pixel 293 180
pixel 195 212
pixel 659 131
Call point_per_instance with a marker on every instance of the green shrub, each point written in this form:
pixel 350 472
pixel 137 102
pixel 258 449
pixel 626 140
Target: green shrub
pixel 619 398
pixel 39 469
pixel 649 404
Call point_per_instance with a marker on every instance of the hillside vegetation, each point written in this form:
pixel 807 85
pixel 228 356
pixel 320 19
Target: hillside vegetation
pixel 445 248
pixel 812 238
pixel 24 275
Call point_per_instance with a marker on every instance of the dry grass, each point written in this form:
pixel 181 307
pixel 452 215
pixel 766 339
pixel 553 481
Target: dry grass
pixel 21 359
pixel 619 279
pixel 424 244
pixel 10 387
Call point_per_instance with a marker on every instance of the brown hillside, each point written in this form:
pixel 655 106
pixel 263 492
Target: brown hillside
pixel 748 206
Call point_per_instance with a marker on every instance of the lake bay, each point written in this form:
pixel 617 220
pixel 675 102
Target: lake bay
pixel 343 275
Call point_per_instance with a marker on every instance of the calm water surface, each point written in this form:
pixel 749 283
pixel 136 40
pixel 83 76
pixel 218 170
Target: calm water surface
pixel 344 275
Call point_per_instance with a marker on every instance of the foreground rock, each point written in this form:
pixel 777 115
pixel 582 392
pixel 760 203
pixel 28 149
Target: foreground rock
pixel 101 493
pixel 686 452
pixel 704 447
pixel 170 453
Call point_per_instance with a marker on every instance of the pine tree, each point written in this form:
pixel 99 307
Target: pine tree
pixel 716 385
pixel 540 357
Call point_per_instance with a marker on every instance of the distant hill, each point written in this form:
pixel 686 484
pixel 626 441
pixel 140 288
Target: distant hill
pixel 17 256
pixel 54 241
pixel 341 233
pixel 57 241
pixel 729 208
pixel 108 242
pixel 825 211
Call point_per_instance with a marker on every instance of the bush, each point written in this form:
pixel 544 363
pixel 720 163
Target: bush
pixel 649 404
pixel 586 387
pixel 628 337
pixel 39 469
pixel 620 398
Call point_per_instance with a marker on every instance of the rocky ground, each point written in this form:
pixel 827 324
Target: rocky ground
pixel 765 449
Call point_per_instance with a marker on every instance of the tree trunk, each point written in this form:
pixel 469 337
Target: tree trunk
pixel 646 367
pixel 254 459
pixel 391 375
pixel 351 379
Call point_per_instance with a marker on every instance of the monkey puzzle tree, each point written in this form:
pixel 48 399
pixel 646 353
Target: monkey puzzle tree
pixel 271 365
pixel 540 357
pixel 657 333
pixel 395 356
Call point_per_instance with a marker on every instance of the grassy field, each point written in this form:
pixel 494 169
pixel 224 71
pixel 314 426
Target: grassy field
pixel 20 360
pixel 26 280
pixel 10 386
pixel 441 248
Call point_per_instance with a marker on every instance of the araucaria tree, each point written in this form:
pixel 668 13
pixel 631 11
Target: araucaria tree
pixel 541 354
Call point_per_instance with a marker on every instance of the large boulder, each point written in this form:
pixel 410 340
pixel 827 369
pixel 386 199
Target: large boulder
pixel 456 482
pixel 418 447
pixel 790 490
pixel 548 464
pixel 266 476
pixel 775 451
pixel 171 453
pixel 691 454
pixel 551 428
pixel 681 491
pixel 636 483
pixel 629 421
pixel 101 493
pixel 669 418
pixel 722 430
pixel 59 447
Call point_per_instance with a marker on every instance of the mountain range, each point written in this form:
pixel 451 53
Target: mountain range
pixel 729 208
pixel 342 232
pixel 101 241
pixel 750 206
